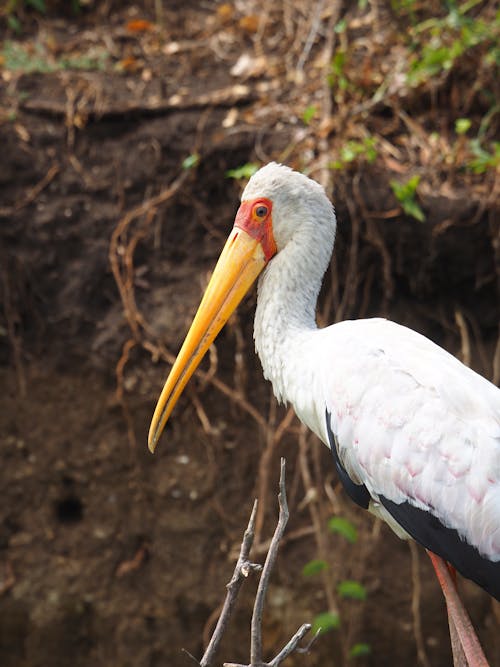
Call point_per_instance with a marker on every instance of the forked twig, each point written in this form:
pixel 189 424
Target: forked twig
pixel 256 633
pixel 241 571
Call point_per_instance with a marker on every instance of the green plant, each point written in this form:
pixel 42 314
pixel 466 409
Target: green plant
pixel 342 526
pixel 351 589
pixel 354 150
pixel 360 650
pixel 245 171
pixel 191 161
pixel 405 194
pixel 462 125
pixel 483 160
pixel 17 58
pixel 325 622
pixel 21 57
pixel 438 42
pixel 309 114
pixel 337 77
pixel 314 567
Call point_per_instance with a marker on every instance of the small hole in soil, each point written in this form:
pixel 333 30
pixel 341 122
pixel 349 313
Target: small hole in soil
pixel 69 510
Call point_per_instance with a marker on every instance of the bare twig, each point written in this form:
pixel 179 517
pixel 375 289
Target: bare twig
pixel 33 192
pixel 9 579
pixel 256 633
pixel 241 571
pixel 292 645
pixel 224 97
pixel 313 32
pixel 273 435
pixel 464 337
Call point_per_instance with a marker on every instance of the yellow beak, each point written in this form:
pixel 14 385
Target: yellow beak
pixel 241 261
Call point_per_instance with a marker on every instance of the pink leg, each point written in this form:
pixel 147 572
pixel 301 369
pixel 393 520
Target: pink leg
pixel 463 637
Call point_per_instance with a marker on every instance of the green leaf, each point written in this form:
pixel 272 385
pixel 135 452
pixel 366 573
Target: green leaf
pixel 411 207
pixel 462 125
pixel 39 5
pixel 405 190
pixel 336 164
pixel 245 171
pixel 314 567
pixel 349 152
pixel 359 650
pixel 325 622
pixel 191 161
pixel 309 114
pixel 14 23
pixel 370 148
pixel 483 160
pixel 405 194
pixel 341 525
pixel 352 589
pixel 340 26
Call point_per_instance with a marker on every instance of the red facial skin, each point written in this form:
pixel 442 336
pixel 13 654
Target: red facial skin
pixel 254 217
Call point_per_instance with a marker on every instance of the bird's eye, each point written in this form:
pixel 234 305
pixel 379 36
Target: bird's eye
pixel 261 211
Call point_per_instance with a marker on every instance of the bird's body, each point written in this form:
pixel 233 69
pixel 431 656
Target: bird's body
pixel 415 434
pixel 411 424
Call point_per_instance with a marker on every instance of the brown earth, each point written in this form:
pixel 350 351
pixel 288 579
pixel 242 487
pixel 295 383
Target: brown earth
pixel 108 555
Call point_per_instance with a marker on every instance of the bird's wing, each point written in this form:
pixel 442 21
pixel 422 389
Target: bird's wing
pixel 418 430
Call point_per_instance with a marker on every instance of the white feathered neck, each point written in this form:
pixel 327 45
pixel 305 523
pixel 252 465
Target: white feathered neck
pixel 304 230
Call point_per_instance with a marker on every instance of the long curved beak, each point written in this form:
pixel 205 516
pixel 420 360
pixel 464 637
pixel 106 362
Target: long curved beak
pixel 241 261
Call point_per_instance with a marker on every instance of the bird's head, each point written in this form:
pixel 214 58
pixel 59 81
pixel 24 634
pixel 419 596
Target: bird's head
pixel 277 206
pixel 297 201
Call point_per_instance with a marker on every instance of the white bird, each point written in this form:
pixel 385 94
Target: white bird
pixel 415 434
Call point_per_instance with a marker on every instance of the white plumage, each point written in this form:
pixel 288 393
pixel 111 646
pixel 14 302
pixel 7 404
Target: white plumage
pixel 412 423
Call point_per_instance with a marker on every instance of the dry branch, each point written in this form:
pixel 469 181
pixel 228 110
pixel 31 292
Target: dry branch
pixel 241 571
pixel 224 97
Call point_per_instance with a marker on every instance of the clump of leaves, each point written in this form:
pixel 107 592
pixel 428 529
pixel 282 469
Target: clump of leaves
pixel 313 567
pixel 17 56
pixel 405 194
pixel 325 622
pixel 337 77
pixel 308 114
pixel 342 526
pixel 351 589
pixel 439 41
pixel 360 650
pixel 484 160
pixel 355 151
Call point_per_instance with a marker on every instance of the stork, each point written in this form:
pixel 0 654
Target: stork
pixel 414 433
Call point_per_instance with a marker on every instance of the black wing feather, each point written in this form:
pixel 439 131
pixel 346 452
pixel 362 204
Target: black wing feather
pixel 357 492
pixel 426 529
